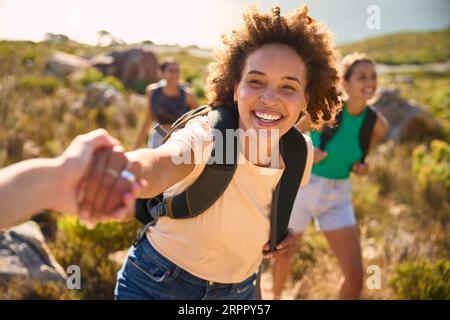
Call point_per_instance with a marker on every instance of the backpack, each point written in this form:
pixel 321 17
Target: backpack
pixel 365 133
pixel 216 176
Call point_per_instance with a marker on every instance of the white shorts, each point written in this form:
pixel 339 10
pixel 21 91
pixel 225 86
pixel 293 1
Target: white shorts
pixel 327 201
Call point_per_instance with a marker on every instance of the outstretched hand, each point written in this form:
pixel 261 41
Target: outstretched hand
pixel 109 188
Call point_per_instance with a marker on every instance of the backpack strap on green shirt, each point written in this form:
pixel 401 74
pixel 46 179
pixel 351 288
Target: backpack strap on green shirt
pixel 365 133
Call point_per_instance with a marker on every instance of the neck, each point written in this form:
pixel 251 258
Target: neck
pixel 260 149
pixel 171 88
pixel 355 106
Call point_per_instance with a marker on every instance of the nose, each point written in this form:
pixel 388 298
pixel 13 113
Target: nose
pixel 269 96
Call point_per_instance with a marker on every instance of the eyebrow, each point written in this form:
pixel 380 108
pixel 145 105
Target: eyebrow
pixel 263 74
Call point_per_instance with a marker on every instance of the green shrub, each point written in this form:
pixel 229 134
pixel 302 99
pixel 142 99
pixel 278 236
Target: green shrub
pixel 422 280
pixel 139 86
pixel 90 249
pixel 433 165
pixel 113 81
pixel 47 85
pixel 303 260
pixel 90 75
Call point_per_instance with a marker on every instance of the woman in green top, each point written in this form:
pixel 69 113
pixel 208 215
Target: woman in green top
pixel 327 197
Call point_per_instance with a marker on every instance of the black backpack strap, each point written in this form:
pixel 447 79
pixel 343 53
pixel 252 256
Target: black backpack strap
pixel 210 185
pixel 181 121
pixel 365 133
pixel 328 132
pixel 294 151
pixel 154 98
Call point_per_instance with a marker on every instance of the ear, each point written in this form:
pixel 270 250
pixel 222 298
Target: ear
pixel 235 92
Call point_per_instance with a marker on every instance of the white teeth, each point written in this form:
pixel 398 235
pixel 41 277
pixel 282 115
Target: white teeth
pixel 267 116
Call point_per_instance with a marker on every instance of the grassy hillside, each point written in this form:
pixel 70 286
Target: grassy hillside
pixel 408 47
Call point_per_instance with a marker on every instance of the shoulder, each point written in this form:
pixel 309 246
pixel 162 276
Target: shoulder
pixel 186 89
pixel 151 88
pixel 188 92
pixel 196 130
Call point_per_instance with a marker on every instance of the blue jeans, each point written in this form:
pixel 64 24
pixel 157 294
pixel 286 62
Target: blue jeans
pixel 148 275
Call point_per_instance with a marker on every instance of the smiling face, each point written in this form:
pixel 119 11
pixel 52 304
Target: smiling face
pixel 271 92
pixel 362 83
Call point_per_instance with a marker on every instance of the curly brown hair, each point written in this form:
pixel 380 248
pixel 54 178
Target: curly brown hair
pixel 307 37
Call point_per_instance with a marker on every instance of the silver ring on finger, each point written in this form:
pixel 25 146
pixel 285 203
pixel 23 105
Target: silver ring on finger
pixel 129 176
pixel 112 172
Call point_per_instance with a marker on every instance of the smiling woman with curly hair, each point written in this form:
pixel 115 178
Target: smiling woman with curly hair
pixel 310 40
pixel 271 71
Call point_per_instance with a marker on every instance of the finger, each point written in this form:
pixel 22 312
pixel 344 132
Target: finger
pixel 100 138
pixel 95 178
pixel 116 162
pixel 121 187
pixel 285 243
pixel 124 213
pixel 277 253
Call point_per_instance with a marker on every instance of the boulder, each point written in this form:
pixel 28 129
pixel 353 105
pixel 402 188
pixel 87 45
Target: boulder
pixel 406 121
pixel 101 95
pixel 25 255
pixel 61 64
pixel 129 65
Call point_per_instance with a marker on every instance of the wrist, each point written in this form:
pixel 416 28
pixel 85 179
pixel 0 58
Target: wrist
pixel 54 183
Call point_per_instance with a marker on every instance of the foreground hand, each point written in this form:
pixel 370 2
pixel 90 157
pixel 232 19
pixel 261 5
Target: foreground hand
pixel 360 169
pixel 74 163
pixel 110 187
pixel 287 245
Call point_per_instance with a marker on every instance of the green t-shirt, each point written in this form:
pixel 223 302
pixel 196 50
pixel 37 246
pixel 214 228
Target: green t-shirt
pixel 343 148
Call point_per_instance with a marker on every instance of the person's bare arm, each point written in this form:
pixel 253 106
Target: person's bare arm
pixel 159 168
pixel 191 99
pixel 380 129
pixel 148 120
pixel 34 185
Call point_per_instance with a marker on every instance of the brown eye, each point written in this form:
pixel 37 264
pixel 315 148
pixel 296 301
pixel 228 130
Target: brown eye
pixel 255 83
pixel 288 89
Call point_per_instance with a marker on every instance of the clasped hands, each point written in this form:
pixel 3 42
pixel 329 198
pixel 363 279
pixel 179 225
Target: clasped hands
pixel 109 187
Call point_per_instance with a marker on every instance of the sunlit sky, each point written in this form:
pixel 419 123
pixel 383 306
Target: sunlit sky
pixel 201 22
